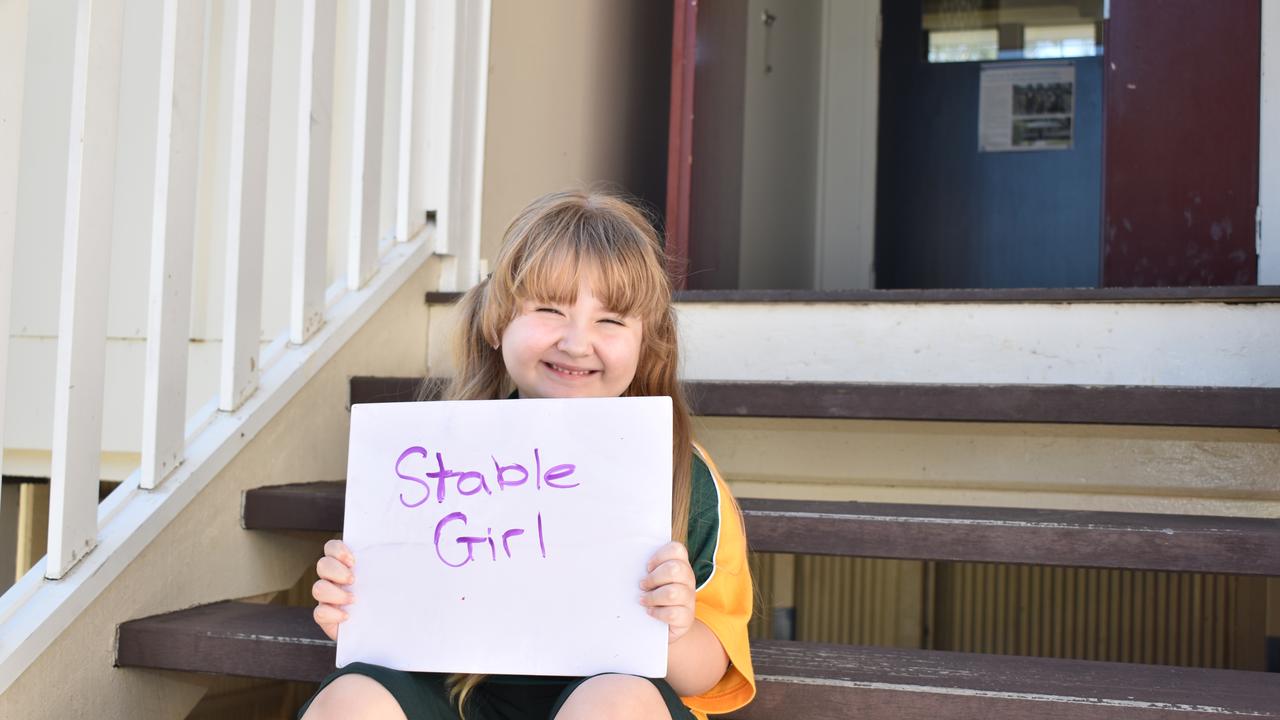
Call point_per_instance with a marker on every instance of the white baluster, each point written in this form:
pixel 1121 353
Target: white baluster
pixel 245 97
pixel 397 152
pixel 466 137
pixel 351 103
pixel 298 179
pixel 174 111
pixel 13 42
pixel 87 38
pixel 364 253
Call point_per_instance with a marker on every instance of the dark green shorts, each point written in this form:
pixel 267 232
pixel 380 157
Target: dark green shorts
pixel 423 696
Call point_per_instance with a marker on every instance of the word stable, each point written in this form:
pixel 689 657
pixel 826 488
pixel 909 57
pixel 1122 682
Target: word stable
pixel 468 483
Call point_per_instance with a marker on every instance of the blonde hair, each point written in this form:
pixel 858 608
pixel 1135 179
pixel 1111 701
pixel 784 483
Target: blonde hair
pixel 557 240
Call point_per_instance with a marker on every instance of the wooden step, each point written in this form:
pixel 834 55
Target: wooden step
pixel 1136 541
pixel 1228 407
pixel 828 681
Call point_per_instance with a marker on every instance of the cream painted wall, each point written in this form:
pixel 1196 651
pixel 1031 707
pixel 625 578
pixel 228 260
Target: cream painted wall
pixel 204 555
pixel 577 94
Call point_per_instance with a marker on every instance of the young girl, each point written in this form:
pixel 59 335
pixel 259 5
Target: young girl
pixel 579 305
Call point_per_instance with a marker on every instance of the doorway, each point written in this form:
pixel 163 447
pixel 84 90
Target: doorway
pixel 828 152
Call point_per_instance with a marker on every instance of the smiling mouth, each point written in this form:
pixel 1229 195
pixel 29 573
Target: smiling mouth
pixel 561 370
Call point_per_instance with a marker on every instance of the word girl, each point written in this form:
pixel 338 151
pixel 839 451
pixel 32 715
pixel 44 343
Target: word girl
pixel 579 305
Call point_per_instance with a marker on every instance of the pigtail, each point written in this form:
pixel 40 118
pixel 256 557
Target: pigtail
pixel 478 370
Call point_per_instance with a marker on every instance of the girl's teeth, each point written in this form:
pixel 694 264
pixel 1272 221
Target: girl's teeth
pixel 571 372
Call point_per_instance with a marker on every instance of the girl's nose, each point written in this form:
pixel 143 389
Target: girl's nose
pixel 576 342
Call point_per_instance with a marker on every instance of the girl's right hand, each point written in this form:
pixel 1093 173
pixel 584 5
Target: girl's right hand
pixel 330 591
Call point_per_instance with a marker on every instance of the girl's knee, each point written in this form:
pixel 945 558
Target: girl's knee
pixel 354 696
pixel 614 697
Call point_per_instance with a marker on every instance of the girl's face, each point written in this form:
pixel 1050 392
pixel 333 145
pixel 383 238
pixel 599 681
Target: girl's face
pixel 578 350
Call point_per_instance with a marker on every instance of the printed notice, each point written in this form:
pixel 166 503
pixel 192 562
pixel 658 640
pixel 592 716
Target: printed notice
pixel 1026 107
pixel 507 536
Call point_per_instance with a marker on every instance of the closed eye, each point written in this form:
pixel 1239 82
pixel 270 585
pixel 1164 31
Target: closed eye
pixel 548 310
pixel 613 321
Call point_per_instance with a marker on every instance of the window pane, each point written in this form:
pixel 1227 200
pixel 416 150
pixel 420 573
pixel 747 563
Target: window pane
pixel 985 30
pixel 963 45
pixel 1060 41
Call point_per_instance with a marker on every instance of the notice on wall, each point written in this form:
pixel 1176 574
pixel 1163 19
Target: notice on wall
pixel 1026 107
pixel 507 536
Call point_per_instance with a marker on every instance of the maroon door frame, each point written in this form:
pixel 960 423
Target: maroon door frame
pixel 680 137
pixel 1180 152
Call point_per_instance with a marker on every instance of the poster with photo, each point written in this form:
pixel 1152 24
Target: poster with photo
pixel 1026 107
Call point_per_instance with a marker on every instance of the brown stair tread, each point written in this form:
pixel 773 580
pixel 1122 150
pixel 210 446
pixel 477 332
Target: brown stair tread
pixel 822 681
pixel 1248 546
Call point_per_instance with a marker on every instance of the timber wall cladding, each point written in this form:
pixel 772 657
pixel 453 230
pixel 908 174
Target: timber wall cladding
pixel 1189 619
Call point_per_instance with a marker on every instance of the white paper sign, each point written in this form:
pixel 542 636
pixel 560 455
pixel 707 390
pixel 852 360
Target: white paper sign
pixel 507 536
pixel 1026 107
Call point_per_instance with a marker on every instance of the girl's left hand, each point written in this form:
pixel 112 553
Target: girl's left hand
pixel 669 589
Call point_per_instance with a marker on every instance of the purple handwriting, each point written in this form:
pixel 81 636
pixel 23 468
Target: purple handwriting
pixel 472 482
pixel 466 483
pixel 471 541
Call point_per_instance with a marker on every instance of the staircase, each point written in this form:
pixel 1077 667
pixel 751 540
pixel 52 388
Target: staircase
pixel 1217 513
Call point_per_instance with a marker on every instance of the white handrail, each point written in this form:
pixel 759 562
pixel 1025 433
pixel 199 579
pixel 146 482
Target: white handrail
pixel 190 150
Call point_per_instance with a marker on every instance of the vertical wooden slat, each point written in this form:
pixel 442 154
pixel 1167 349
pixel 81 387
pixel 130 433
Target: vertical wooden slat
pixel 163 52
pixel 298 177
pixel 232 60
pixel 397 149
pixel 471 163
pixel 931 613
pixel 990 606
pixel 1090 625
pixel 9 494
pixel 33 526
pixel 247 81
pixel 1200 622
pixel 1026 595
pixel 363 259
pixel 1221 636
pixel 870 575
pixel 460 220
pixel 13 48
pixel 433 114
pixel 321 163
pixel 82 320
pixel 353 82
